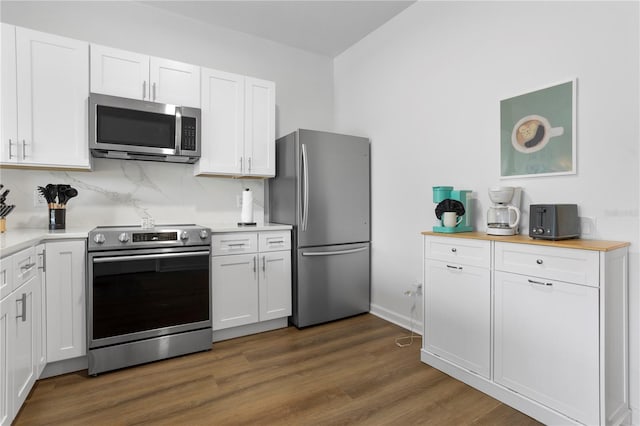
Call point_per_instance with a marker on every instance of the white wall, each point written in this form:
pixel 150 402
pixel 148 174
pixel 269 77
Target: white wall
pixel 426 87
pixel 121 192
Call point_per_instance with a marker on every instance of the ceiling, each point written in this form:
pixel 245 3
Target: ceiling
pixel 321 26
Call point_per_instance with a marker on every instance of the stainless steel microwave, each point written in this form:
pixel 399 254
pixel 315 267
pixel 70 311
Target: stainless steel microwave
pixel 131 129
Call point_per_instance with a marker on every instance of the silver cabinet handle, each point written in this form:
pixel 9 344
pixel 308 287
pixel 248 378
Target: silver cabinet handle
pixel 10 145
pixel 276 242
pixel 236 244
pixel 43 256
pixel 331 253
pixel 539 283
pixel 154 90
pixel 254 264
pixel 455 267
pixel 249 164
pixel 144 89
pixel 24 153
pixel 241 165
pixel 264 265
pixel 305 177
pixel 23 301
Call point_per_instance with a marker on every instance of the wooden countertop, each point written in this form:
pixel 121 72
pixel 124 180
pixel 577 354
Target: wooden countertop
pixel 577 243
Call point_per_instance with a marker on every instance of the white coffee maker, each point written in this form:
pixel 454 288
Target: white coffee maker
pixel 503 217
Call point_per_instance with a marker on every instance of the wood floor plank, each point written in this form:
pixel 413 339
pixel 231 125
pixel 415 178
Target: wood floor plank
pixel 346 372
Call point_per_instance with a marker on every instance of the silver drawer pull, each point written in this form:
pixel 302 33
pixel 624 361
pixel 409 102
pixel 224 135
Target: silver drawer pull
pixel 539 261
pixel 539 283
pixel 277 242
pixel 459 268
pixel 236 245
pixel 453 250
pixel 27 267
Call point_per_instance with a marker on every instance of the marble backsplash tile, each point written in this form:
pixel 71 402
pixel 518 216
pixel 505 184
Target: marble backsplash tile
pixel 118 192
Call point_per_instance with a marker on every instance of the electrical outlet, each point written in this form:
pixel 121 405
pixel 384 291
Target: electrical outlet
pixel 38 199
pixel 587 226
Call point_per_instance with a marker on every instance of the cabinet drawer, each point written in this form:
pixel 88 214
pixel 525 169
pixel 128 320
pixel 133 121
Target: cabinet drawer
pixel 554 263
pixel 274 241
pixel 24 266
pixel 459 251
pixel 234 243
pixel 6 279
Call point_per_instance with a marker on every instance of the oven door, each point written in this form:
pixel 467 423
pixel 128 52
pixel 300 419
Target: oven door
pixel 140 294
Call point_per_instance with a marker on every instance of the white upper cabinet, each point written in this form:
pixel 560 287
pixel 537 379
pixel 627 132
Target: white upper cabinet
pixel 132 75
pixel 238 125
pixel 45 86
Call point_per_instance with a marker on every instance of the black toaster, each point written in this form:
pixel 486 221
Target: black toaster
pixel 554 221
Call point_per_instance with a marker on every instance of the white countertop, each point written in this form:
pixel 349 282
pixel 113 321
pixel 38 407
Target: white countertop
pixel 14 240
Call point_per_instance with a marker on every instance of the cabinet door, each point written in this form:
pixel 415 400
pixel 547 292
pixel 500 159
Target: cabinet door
pixel 546 343
pixel 234 290
pixel 222 123
pixel 7 314
pixel 174 82
pixel 23 341
pixel 259 133
pixel 458 314
pixel 275 285
pixel 53 89
pixel 8 96
pixel 65 268
pixel 117 72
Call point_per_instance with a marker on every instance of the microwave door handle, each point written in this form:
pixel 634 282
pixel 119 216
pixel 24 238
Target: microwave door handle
pixel 178 130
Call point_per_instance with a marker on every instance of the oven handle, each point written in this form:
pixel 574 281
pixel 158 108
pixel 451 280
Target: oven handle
pixel 149 256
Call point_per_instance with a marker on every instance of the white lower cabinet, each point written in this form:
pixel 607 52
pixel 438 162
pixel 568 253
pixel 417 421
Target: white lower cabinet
pixel 546 343
pixel 458 320
pixel 65 268
pixel 250 282
pixel 541 326
pixel 20 332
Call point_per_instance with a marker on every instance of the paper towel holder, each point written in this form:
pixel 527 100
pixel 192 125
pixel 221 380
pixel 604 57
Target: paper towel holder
pixel 246 217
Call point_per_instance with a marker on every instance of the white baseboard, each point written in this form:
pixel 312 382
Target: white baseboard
pixel 398 319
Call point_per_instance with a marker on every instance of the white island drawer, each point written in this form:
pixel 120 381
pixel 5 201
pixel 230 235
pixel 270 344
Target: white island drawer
pixel 274 241
pixel 555 263
pixel 459 251
pixel 234 243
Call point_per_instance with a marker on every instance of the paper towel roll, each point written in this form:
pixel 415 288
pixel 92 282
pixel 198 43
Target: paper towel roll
pixel 246 216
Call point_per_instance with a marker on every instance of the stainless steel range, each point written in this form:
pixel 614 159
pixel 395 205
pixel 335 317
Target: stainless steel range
pixel 148 294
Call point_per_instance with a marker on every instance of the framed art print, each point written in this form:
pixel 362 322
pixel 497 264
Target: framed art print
pixel 537 132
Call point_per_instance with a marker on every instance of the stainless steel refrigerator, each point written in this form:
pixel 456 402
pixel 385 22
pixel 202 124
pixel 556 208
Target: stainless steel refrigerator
pixel 322 188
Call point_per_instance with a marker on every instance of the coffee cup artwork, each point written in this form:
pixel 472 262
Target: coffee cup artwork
pixel 451 219
pixel 532 133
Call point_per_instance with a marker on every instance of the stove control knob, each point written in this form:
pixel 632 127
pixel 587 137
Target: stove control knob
pixel 99 238
pixel 184 236
pixel 123 238
pixel 203 234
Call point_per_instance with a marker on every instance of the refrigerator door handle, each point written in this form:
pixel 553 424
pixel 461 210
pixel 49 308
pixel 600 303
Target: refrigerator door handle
pixel 305 186
pixel 331 253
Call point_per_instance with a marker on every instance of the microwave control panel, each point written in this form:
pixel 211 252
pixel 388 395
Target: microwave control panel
pixel 188 134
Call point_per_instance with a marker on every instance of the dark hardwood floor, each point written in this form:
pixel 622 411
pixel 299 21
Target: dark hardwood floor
pixel 346 372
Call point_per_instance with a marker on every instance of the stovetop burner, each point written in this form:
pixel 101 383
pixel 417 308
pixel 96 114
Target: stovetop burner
pixel 127 237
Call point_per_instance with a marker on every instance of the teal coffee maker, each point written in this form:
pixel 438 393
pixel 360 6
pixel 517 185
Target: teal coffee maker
pixel 453 209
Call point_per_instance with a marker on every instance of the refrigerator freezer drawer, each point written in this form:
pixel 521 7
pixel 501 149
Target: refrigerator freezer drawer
pixel 333 282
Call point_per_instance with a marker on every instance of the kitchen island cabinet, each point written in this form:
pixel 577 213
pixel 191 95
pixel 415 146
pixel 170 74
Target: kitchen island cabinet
pixel 133 75
pixel 45 87
pixel 251 282
pixel 558 323
pixel 238 126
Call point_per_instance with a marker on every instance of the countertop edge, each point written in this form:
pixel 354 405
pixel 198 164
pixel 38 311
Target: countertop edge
pixel 576 243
